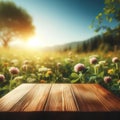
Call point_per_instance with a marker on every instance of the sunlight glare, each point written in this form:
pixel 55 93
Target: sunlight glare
pixel 34 42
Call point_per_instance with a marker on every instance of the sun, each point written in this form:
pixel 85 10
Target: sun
pixel 34 42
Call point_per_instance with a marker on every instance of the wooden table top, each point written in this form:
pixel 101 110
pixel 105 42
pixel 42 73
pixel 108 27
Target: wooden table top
pixel 59 97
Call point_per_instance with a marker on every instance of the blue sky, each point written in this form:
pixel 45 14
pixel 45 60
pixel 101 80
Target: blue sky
pixel 62 21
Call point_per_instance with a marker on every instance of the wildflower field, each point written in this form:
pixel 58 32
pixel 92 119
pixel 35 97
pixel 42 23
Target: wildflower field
pixel 17 67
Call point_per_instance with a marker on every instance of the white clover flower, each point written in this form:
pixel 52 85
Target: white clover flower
pixel 43 69
pixel 18 78
pixel 102 62
pixel 97 65
pixel 30 80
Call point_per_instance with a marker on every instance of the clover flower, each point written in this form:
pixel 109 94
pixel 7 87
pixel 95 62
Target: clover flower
pixel 14 70
pixel 107 79
pixel 43 69
pixel 79 67
pixel 31 80
pixel 115 60
pixel 59 64
pixel 93 60
pixel 2 77
pixel 26 67
pixel 118 81
pixel 102 62
pixel 49 72
pixel 26 62
pixel 111 71
pixel 97 66
pixel 19 78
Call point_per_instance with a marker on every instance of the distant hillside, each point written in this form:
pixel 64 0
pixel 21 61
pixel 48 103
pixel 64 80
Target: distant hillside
pixel 109 41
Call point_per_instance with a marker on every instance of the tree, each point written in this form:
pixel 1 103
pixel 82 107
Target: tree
pixel 110 13
pixel 15 22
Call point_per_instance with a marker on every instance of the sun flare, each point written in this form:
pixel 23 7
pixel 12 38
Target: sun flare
pixel 34 42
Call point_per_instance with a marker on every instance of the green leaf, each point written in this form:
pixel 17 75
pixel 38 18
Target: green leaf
pixel 97 17
pixel 101 74
pixel 92 79
pixel 110 20
pixel 74 75
pixel 100 14
pixel 97 29
pixel 75 81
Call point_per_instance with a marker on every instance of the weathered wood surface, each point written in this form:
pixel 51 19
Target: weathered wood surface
pixel 59 97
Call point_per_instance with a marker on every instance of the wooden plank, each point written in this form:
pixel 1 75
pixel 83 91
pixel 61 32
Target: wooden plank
pixel 86 99
pixel 34 100
pixel 8 101
pixel 108 99
pixel 61 99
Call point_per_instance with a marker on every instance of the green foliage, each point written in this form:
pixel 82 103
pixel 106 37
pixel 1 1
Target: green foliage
pixel 43 67
pixel 14 22
pixel 74 75
pixel 110 13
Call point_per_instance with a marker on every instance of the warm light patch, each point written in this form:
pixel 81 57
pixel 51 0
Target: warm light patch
pixel 34 42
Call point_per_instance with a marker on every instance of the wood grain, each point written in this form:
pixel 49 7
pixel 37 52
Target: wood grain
pixel 34 100
pixel 109 100
pixel 9 100
pixel 86 99
pixel 61 99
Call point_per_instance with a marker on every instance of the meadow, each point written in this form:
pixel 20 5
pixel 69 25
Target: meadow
pixel 25 66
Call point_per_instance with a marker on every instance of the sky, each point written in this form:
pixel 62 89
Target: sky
pixel 61 21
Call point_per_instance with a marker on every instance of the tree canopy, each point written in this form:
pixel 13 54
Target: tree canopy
pixel 110 13
pixel 15 22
